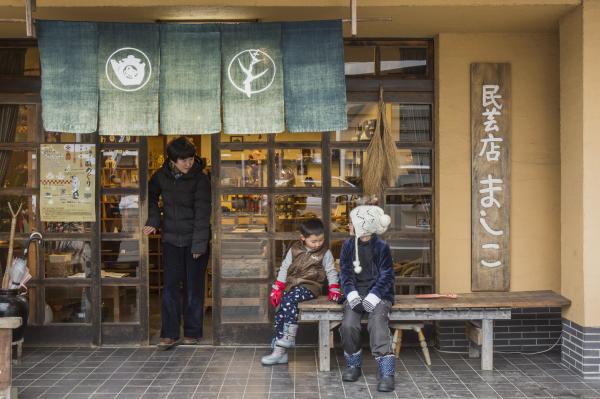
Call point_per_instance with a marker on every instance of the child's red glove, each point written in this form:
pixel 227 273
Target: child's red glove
pixel 276 293
pixel 334 293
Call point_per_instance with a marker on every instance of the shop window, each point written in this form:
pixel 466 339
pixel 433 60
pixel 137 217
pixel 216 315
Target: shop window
pixel 341 206
pixel 412 258
pixel 297 137
pixel 411 123
pixel 409 213
pixel 120 257
pixel 298 167
pixel 362 118
pixel 26 219
pixel 22 167
pixel 414 168
pixel 347 166
pixel 244 213
pixel 120 213
pixel 120 304
pixel 244 168
pixel 67 305
pixel 403 60
pixel 119 139
pixel 119 168
pixel 359 60
pixel 243 138
pixel 68 259
pixel 291 210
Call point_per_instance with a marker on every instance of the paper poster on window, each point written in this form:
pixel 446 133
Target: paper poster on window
pixel 67 182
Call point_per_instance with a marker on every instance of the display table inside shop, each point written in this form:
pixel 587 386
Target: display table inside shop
pixel 481 307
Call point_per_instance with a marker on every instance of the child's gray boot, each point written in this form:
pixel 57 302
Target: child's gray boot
pixel 278 356
pixel 387 367
pixel 289 336
pixel 353 366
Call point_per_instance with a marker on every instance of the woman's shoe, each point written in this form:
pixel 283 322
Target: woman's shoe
pixel 166 344
pixel 190 341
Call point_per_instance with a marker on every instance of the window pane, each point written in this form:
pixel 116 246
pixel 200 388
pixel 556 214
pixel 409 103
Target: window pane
pixel 26 220
pixel 68 305
pixel 245 168
pixel 341 205
pixel 68 259
pixel 362 117
pixel 120 213
pixel 292 210
pixel 68 227
pixel 414 168
pixel 359 60
pixel 409 213
pixel 18 169
pixel 346 167
pixel 120 257
pixel 26 128
pixel 297 167
pixel 245 258
pixel 245 303
pixel 120 304
pixel 244 138
pixel 412 258
pixel 58 137
pixel 287 136
pixel 411 122
pixel 403 60
pixel 244 213
pixel 119 168
pixel 119 139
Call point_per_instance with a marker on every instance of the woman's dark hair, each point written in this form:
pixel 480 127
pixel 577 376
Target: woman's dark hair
pixel 180 148
pixel 312 227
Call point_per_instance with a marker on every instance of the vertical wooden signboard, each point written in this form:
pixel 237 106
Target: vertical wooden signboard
pixel 490 176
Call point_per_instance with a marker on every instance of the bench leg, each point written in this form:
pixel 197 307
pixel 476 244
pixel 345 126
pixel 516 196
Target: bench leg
pixel 424 347
pixel 5 362
pixel 397 342
pixel 324 345
pixel 474 351
pixel 487 344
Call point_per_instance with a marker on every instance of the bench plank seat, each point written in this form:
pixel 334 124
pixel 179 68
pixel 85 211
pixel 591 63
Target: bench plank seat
pixel 483 306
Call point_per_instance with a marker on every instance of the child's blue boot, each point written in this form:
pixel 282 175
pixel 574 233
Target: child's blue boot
pixel 353 366
pixel 387 367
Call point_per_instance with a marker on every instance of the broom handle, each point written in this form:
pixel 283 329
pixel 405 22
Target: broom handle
pixel 13 227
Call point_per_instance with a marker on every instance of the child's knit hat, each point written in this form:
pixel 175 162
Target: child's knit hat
pixel 366 220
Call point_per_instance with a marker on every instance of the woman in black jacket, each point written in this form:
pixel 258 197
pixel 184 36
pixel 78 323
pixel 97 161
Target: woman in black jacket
pixel 185 234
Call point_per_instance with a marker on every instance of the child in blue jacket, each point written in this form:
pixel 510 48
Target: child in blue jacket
pixel 367 278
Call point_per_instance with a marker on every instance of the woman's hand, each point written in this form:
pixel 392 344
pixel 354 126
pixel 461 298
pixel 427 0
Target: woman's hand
pixel 149 230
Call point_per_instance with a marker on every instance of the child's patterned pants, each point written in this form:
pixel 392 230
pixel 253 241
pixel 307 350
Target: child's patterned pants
pixel 288 309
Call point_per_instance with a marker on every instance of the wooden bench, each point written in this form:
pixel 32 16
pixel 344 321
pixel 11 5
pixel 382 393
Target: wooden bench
pixel 484 307
pixel 6 326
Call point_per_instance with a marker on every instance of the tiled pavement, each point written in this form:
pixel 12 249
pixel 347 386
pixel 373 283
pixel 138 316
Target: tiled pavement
pixel 224 372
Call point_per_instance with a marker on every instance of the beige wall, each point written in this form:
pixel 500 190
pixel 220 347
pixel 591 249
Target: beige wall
pixel 580 142
pixel 591 161
pixel 571 98
pixel 535 152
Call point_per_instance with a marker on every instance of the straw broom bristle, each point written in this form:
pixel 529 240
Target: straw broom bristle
pixel 390 173
pixel 374 166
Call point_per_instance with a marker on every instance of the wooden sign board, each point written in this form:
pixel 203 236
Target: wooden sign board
pixel 490 176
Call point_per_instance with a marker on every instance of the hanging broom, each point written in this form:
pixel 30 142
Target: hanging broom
pixel 390 171
pixel 380 168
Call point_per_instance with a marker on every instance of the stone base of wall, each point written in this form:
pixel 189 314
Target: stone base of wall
pixel 581 349
pixel 529 330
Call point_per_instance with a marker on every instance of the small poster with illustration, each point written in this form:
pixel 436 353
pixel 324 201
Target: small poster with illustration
pixel 68 182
